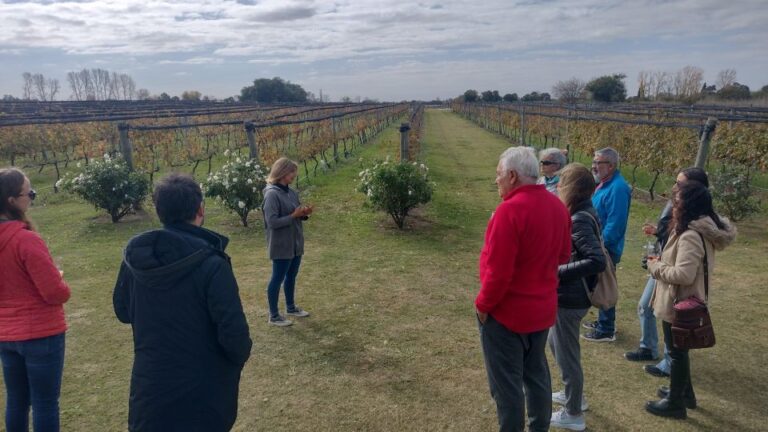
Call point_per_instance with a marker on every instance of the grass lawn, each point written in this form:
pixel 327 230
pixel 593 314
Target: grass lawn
pixel 392 343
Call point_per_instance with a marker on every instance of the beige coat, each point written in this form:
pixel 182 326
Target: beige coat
pixel 679 273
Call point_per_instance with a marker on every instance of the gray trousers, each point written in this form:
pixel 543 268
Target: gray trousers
pixel 517 361
pixel 564 343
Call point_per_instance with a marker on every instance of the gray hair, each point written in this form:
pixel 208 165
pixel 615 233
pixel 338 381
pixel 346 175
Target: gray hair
pixel 611 154
pixel 556 154
pixel 522 160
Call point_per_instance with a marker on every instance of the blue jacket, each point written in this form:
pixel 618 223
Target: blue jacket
pixel 612 204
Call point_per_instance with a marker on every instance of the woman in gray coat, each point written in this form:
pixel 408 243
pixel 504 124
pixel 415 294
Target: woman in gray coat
pixel 283 216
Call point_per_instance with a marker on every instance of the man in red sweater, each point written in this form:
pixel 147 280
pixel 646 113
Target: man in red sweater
pixel 528 236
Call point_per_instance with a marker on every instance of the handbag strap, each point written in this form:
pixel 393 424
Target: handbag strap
pixel 706 270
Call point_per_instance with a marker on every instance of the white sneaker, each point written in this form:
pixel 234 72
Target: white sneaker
pixel 559 398
pixel 561 419
pixel 297 312
pixel 280 321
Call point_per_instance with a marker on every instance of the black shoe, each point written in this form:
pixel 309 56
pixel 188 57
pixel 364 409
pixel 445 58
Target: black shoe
pixel 666 408
pixel 653 370
pixel 642 354
pixel 688 400
pixel 589 325
pixel 596 336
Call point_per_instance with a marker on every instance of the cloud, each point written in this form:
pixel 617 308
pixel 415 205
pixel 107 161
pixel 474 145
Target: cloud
pixel 194 61
pixel 442 37
pixel 290 13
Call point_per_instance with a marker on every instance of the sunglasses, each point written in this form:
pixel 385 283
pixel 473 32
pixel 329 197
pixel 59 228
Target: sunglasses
pixel 31 194
pixel 594 162
pixel 548 163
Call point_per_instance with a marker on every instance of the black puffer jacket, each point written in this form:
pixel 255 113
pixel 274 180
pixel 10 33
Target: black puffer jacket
pixel 191 339
pixel 587 260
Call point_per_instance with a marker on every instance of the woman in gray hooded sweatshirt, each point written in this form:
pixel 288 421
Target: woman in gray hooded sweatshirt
pixel 283 216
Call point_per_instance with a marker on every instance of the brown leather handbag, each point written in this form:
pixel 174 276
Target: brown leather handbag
pixel 692 326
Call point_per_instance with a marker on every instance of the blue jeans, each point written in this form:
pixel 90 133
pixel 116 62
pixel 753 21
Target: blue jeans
pixel 649 336
pixel 284 273
pixel 606 321
pixel 32 371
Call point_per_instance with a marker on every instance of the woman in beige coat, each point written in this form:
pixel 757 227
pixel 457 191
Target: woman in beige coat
pixel 679 275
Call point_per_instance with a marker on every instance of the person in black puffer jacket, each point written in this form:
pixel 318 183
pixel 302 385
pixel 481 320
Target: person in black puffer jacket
pixel 576 277
pixel 191 339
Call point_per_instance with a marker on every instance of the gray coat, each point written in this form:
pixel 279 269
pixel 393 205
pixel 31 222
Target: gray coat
pixel 285 235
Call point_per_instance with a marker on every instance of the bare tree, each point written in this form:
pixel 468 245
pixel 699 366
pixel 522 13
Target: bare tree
pixel 127 86
pixel 688 82
pixel 725 78
pixel 53 88
pixel 569 91
pixel 40 86
pixel 142 94
pixel 76 85
pixel 659 83
pixel 26 92
pixel 643 84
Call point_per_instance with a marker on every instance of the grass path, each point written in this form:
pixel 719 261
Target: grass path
pixel 392 343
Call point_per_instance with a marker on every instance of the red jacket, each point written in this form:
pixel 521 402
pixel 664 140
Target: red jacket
pixel 32 291
pixel 527 237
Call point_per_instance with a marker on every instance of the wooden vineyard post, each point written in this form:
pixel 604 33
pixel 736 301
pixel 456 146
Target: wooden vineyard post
pixel 335 141
pixel 706 136
pixel 125 144
pixel 522 125
pixel 250 132
pixel 404 128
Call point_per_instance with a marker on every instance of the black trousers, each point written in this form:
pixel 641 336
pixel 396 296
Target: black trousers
pixel 680 373
pixel 517 374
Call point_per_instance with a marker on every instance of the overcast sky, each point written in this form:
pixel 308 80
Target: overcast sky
pixel 389 50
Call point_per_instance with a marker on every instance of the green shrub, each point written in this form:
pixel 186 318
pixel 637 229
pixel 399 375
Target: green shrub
pixel 108 184
pixel 239 186
pixel 733 194
pixel 396 188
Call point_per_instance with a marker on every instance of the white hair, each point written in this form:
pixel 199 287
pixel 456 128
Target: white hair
pixel 557 156
pixel 522 160
pixel 609 153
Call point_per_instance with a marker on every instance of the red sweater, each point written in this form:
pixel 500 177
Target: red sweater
pixel 32 291
pixel 527 237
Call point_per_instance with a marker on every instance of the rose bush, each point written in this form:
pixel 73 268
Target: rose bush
pixel 239 186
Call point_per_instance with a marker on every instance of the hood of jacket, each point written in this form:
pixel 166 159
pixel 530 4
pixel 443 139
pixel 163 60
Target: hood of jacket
pixel 284 189
pixel 161 257
pixel 720 238
pixel 8 230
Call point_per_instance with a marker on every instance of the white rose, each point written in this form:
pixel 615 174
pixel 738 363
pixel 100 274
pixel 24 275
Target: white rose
pixel 249 181
pixel 241 204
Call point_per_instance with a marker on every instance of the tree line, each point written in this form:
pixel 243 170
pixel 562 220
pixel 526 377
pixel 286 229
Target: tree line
pixel 685 85
pixel 100 85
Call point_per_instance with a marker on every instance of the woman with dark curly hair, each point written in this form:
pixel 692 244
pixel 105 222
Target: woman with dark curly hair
pixel 696 233
pixel 32 325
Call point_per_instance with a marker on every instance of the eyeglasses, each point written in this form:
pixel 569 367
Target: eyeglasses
pixel 31 194
pixel 597 162
pixel 548 163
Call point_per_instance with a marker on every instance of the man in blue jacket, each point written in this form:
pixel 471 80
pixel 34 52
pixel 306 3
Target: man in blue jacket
pixel 177 290
pixel 611 200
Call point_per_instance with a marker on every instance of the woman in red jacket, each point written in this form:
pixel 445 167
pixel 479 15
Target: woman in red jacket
pixel 32 323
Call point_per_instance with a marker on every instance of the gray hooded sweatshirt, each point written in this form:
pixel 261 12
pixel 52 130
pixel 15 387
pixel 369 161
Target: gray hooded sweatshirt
pixel 285 235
